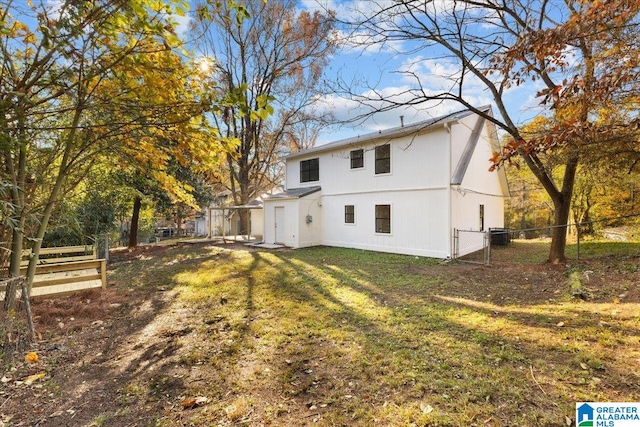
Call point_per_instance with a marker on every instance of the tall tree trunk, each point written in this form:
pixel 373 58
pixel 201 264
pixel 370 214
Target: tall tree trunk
pixel 179 224
pixel 62 174
pixel 17 238
pixel 562 208
pixel 17 173
pixel 561 200
pixel 133 232
pixel 559 233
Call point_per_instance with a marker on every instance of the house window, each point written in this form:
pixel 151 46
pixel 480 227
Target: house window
pixel 481 217
pixel 357 159
pixel 383 218
pixel 310 170
pixel 349 214
pixel 383 159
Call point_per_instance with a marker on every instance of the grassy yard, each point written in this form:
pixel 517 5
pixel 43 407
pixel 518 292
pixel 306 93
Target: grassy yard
pixel 328 336
pixel 348 337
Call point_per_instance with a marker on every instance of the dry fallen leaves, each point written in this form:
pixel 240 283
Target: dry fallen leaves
pixel 33 378
pixel 31 357
pixel 194 402
pixel 426 408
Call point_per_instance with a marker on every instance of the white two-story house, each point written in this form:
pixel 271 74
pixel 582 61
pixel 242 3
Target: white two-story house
pixel 403 190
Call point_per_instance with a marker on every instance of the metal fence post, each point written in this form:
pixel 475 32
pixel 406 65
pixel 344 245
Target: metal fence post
pixel 106 247
pixel 487 244
pixel 454 255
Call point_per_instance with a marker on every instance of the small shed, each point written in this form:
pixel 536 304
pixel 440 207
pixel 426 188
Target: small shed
pixel 222 220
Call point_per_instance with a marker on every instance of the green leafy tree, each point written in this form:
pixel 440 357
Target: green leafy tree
pixel 74 86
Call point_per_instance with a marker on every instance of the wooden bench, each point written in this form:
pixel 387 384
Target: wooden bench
pixel 65 269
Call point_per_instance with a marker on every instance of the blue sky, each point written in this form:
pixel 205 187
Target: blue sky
pixel 380 68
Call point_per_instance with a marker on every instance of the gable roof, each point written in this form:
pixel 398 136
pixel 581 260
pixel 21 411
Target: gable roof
pixel 389 133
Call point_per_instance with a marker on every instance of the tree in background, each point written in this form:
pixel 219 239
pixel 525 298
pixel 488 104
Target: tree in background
pixel 584 55
pixel 149 189
pixel 603 195
pixel 76 83
pixel 268 59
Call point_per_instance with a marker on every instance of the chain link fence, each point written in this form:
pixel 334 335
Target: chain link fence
pixel 16 323
pixel 532 245
pixel 471 246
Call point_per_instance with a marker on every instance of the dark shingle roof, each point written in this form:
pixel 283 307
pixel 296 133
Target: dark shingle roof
pixel 294 193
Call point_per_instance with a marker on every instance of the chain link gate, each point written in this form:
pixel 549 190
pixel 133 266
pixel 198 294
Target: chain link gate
pixel 472 246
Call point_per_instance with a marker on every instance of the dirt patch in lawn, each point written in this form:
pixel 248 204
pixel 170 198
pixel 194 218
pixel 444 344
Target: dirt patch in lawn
pixel 139 354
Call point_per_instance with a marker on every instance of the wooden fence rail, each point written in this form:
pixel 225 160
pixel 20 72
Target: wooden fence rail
pixel 67 269
pixel 82 253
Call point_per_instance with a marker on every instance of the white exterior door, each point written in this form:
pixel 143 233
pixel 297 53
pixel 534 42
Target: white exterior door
pixel 279 223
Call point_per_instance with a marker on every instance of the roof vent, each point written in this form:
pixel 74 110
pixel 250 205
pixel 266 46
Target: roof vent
pixel 401 121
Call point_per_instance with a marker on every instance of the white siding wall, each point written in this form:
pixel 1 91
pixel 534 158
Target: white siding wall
pixel 479 187
pixel 310 234
pixel 416 162
pixel 418 225
pixel 290 210
pixel 416 189
pixel 298 233
pixel 257 223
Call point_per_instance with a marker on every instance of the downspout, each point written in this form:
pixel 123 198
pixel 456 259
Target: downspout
pixel 447 128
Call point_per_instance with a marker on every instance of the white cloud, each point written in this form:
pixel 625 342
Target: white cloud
pixel 355 40
pixel 400 77
pixel 362 120
pixel 182 24
pixel 53 8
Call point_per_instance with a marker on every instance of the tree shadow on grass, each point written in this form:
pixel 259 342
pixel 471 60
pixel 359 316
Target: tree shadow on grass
pixel 296 333
pixel 417 330
pixel 121 369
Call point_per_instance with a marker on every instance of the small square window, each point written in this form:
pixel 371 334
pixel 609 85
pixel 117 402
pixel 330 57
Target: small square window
pixel 310 170
pixel 383 218
pixel 357 159
pixel 349 214
pixel 383 159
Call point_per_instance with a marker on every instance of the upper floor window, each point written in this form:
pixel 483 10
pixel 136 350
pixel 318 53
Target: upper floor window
pixel 310 170
pixel 357 159
pixel 383 159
